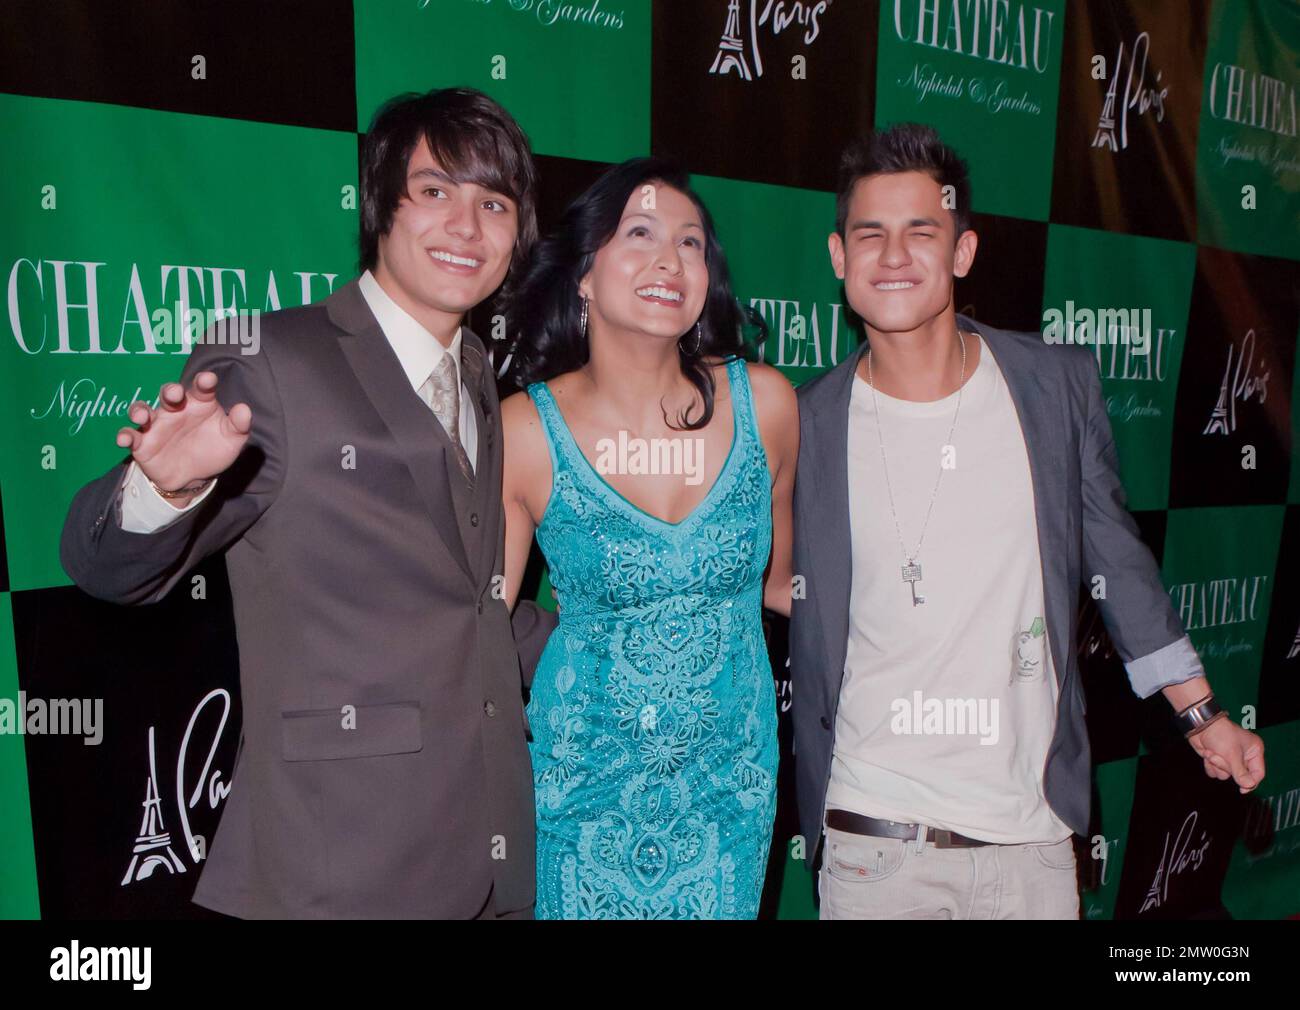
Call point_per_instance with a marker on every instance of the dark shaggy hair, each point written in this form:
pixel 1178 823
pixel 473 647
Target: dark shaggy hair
pixel 546 310
pixel 474 140
pixel 904 147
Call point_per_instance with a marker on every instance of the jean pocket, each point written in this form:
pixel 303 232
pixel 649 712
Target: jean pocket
pixel 1058 856
pixel 862 858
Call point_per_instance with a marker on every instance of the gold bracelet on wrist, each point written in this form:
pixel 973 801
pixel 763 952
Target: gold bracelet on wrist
pixel 180 492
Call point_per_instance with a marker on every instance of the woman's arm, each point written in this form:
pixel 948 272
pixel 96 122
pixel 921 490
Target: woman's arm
pixel 778 422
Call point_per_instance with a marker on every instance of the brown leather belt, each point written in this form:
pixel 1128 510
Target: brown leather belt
pixel 858 824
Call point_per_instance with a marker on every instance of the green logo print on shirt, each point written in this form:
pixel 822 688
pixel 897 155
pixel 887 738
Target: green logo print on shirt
pixel 1027 653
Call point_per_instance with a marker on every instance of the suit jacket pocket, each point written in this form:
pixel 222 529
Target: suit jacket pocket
pixel 351 732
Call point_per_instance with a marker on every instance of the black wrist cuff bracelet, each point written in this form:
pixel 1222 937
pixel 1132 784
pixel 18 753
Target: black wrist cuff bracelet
pixel 1192 718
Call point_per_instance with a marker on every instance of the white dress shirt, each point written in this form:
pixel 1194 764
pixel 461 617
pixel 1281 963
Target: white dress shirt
pixel 418 351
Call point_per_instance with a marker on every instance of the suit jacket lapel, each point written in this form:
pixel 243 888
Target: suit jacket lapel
pixel 472 362
pixel 829 532
pixel 420 438
pixel 480 384
pixel 1038 410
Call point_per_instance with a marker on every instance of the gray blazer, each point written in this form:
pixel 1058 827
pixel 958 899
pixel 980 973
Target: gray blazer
pixel 368 586
pixel 1083 530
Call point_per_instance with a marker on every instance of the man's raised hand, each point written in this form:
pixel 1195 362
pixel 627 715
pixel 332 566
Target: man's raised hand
pixel 189 438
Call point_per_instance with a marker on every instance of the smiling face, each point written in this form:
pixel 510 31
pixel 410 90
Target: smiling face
pixel 449 246
pixel 900 253
pixel 650 278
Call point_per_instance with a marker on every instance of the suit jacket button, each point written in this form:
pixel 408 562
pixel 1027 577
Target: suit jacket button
pixel 490 708
pixel 826 722
pixel 473 518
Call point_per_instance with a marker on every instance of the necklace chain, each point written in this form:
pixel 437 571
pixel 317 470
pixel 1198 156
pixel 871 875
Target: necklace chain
pixel 871 379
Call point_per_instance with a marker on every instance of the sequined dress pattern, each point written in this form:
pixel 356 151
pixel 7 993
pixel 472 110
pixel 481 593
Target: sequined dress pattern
pixel 653 711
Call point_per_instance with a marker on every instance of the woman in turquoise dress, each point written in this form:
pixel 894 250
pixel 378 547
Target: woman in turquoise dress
pixel 655 466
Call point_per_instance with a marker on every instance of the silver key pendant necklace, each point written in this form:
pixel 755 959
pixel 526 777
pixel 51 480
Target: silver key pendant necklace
pixel 911 560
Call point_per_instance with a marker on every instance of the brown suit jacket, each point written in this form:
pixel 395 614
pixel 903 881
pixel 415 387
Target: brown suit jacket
pixel 362 568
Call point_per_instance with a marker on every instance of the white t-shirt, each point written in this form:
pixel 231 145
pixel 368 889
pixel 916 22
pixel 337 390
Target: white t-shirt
pixel 947 708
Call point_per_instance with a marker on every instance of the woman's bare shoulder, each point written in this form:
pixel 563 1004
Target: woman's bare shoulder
pixel 519 412
pixel 772 391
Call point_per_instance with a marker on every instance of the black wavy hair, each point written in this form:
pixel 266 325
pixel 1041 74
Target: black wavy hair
pixel 545 310
pixel 473 138
pixel 904 147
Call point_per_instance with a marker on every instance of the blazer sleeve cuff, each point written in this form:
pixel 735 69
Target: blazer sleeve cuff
pixel 1173 664
pixel 144 510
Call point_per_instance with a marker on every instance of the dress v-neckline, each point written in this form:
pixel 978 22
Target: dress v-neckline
pixel 601 482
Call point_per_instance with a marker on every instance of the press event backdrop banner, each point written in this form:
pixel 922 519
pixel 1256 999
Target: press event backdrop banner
pixel 1138 154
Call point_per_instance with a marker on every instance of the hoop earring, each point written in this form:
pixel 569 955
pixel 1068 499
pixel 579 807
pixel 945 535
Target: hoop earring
pixel 584 319
pixel 699 337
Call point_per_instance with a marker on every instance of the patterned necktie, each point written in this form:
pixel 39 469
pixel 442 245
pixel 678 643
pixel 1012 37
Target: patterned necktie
pixel 441 391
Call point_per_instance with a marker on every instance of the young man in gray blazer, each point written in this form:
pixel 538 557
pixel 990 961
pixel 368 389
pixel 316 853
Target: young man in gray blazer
pixel 956 485
pixel 351 471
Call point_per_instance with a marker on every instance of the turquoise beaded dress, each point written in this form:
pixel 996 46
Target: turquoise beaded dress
pixel 653 711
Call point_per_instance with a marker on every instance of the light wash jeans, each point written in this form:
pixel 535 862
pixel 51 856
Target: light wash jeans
pixel 863 877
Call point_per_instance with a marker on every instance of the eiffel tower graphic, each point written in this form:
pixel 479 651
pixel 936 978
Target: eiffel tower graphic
pixel 1219 416
pixel 146 857
pixel 1152 900
pixel 1105 136
pixel 1295 646
pixel 731 48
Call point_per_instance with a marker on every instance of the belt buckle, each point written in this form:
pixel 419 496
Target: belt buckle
pixel 942 838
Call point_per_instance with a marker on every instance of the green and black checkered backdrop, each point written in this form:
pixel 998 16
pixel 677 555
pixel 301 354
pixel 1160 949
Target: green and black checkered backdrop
pixel 1125 153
